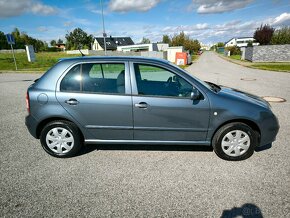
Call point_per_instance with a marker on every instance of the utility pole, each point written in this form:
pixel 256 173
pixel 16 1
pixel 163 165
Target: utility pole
pixel 13 57
pixel 104 32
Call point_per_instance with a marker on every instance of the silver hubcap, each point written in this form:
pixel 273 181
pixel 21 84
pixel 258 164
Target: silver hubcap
pixel 59 140
pixel 236 143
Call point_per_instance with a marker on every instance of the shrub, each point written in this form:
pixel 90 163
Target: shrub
pixel 53 49
pixel 281 36
pixel 264 34
pixel 234 50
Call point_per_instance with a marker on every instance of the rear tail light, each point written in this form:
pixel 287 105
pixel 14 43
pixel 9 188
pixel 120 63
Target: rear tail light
pixel 27 103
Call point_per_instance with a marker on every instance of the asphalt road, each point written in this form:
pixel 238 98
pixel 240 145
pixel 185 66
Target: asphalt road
pixel 144 181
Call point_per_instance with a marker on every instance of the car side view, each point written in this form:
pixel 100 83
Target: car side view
pixel 121 100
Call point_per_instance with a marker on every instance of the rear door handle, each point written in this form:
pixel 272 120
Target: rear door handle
pixel 141 105
pixel 72 101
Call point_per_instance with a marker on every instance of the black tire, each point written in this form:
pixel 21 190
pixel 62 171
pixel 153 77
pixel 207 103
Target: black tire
pixel 72 131
pixel 219 135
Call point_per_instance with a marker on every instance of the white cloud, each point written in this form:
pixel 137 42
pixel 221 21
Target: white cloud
pixel 220 6
pixel 13 8
pixel 283 19
pixel 132 5
pixel 39 8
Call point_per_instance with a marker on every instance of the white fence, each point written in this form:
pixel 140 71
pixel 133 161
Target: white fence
pixel 5 51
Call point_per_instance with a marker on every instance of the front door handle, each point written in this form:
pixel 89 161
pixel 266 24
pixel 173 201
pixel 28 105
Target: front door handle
pixel 142 105
pixel 72 101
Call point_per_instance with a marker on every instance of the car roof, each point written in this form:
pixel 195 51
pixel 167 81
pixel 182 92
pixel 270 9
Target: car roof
pixel 112 58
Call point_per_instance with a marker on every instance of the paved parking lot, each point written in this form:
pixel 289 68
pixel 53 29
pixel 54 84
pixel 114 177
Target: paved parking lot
pixel 145 181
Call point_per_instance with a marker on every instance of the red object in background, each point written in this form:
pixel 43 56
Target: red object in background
pixel 181 58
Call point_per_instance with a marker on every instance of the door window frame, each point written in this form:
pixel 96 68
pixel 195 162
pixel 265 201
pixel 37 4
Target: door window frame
pixel 134 86
pixel 128 90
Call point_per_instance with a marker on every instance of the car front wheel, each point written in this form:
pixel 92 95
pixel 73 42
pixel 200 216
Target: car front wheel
pixel 61 139
pixel 235 141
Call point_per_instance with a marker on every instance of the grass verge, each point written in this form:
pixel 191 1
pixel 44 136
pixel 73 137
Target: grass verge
pixel 44 60
pixel 273 66
pixel 282 67
pixel 235 57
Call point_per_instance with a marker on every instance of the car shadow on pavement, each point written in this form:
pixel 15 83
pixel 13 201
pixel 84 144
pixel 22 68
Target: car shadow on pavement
pixel 245 211
pixel 92 147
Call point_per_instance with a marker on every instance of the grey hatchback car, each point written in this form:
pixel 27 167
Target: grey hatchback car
pixel 136 100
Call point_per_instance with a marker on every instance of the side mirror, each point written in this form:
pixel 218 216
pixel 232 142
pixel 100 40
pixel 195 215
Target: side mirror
pixel 195 94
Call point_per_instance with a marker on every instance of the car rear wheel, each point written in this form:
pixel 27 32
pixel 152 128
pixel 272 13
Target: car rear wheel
pixel 61 139
pixel 235 141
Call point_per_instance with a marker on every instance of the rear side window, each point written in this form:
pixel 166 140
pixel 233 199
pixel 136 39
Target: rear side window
pixel 72 80
pixel 95 78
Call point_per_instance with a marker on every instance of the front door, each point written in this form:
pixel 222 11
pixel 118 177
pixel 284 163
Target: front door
pixel 163 109
pixel 97 95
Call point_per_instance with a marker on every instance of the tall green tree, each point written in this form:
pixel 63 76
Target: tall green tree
pixel 220 44
pixel 184 40
pixel 264 34
pixel 145 41
pixel 166 39
pixel 281 36
pixel 78 39
pixel 3 41
pixel 52 42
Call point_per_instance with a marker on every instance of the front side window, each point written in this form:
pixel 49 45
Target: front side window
pixel 157 81
pixel 95 78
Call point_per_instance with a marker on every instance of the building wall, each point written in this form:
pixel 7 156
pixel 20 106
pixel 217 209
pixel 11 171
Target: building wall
pixel 154 54
pixel 171 53
pixel 102 53
pixel 96 46
pixel 268 53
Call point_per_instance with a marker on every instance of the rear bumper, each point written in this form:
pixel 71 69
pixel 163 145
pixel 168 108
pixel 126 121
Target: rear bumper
pixel 31 125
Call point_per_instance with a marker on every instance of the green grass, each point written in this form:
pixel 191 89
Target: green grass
pixel 194 57
pixel 44 60
pixel 235 57
pixel 285 67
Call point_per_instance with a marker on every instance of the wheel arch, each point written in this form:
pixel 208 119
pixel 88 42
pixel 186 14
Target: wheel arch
pixel 42 124
pixel 250 123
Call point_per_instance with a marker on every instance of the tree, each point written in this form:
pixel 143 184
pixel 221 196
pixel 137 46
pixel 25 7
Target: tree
pixel 234 50
pixel 77 38
pixel 183 40
pixel 220 44
pixel 3 41
pixel 166 39
pixel 281 36
pixel 145 41
pixel 52 42
pixel 59 41
pixel 263 34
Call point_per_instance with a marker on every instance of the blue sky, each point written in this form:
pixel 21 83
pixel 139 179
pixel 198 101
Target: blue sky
pixel 208 21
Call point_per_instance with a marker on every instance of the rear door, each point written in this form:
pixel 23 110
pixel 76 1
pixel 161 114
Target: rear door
pixel 98 96
pixel 162 106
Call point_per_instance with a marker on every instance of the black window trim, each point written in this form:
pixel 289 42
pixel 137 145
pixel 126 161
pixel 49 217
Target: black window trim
pixel 124 62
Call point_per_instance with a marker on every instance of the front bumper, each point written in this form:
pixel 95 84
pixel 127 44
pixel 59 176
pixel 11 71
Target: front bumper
pixel 269 130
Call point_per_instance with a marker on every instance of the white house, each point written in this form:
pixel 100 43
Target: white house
pixel 111 43
pixel 144 47
pixel 241 42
